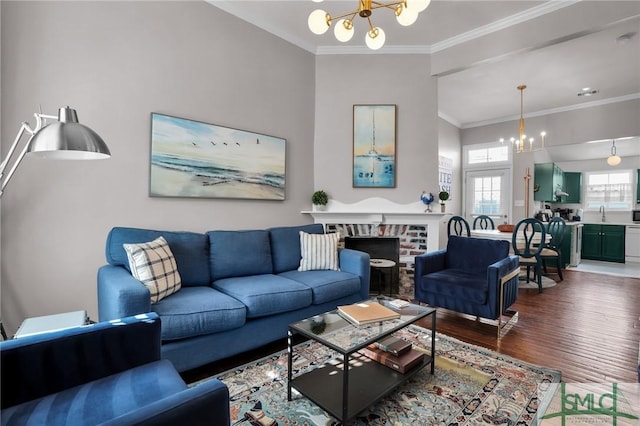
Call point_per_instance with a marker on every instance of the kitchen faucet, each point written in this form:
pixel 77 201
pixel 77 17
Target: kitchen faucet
pixel 602 211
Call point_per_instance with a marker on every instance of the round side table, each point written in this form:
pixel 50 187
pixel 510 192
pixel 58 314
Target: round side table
pixel 383 266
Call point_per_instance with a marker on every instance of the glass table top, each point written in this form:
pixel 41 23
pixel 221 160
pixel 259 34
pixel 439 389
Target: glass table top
pixel 332 330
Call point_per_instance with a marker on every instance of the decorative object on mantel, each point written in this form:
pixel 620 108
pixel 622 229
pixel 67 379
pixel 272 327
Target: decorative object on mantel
pixel 519 144
pixel 427 199
pixel 406 12
pixel 614 159
pixel 195 159
pixel 374 146
pixel 443 196
pixel 319 199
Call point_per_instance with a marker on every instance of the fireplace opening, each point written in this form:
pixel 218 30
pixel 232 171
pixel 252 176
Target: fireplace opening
pixel 380 248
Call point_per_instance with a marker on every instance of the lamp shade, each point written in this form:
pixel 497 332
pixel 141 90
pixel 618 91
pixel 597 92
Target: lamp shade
pixel 614 160
pixel 407 16
pixel 318 22
pixel 68 139
pixel 375 38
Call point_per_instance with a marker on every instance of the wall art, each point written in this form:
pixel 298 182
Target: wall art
pixel 195 159
pixel 374 146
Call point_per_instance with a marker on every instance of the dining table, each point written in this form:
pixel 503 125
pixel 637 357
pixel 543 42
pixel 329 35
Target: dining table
pixel 495 234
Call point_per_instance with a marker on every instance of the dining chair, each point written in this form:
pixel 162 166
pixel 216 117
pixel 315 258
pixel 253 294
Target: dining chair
pixel 457 226
pixel 526 242
pixel 483 222
pixel 552 250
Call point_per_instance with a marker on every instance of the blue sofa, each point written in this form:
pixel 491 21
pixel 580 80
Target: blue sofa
pixel 107 373
pixel 240 289
pixel 466 277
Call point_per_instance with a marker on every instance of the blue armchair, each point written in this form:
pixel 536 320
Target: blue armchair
pixel 473 276
pixel 109 373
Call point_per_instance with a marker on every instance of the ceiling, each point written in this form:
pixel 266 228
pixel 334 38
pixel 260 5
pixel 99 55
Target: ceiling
pixel 554 68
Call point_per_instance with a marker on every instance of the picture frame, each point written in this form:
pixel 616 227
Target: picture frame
pixel 374 146
pixel 191 158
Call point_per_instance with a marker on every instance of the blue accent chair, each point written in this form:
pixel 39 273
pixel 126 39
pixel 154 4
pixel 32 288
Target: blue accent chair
pixel 109 373
pixel 474 276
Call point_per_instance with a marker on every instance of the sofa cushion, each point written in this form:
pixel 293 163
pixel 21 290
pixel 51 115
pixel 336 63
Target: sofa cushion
pixel 326 285
pixel 86 404
pixel 319 252
pixel 198 310
pixel 190 249
pixel 153 264
pixel 266 294
pixel 239 253
pixel 474 254
pixel 457 284
pixel 285 245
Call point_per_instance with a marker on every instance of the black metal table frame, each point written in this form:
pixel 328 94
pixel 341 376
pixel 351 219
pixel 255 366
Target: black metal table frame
pixel 344 418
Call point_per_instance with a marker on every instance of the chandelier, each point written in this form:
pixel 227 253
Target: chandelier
pixel 406 12
pixel 522 144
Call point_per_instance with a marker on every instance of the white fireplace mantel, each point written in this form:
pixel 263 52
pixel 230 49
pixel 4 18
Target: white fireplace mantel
pixel 377 211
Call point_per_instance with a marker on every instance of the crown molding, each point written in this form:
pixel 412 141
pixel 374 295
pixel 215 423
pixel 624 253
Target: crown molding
pixel 518 18
pixel 233 8
pixel 450 120
pixel 591 104
pixel 363 50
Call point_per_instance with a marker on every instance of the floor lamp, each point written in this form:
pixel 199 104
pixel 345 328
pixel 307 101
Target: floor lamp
pixel 63 139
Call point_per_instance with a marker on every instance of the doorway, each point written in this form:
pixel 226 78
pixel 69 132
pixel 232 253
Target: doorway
pixel 487 193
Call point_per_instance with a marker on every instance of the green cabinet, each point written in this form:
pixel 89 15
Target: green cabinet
pixel 547 178
pixel 603 242
pixel 572 185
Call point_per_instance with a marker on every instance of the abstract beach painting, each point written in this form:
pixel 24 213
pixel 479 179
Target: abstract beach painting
pixel 194 159
pixel 374 146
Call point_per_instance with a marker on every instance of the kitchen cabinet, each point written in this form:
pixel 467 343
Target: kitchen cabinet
pixel 603 242
pixel 547 178
pixel 572 185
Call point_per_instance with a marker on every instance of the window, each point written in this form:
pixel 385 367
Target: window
pixel 613 190
pixel 488 154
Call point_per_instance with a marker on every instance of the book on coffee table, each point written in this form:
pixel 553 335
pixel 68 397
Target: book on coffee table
pixel 367 312
pixel 394 345
pixel 401 364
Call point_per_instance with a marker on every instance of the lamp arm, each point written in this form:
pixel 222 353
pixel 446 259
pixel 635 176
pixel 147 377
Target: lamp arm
pixel 23 128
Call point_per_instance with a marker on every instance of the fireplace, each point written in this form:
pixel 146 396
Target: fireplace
pixel 380 248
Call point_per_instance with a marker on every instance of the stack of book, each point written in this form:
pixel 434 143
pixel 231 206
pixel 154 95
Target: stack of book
pixel 367 312
pixel 395 353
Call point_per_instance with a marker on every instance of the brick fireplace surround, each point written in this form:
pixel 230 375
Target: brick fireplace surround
pixel 418 232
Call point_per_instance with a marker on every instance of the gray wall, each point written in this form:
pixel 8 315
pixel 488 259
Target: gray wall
pixel 116 62
pixel 404 80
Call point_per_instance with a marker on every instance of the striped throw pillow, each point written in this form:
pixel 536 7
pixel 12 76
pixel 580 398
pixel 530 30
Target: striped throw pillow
pixel 153 264
pixel 319 251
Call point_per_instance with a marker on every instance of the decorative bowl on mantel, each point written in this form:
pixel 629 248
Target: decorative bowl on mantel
pixel 505 228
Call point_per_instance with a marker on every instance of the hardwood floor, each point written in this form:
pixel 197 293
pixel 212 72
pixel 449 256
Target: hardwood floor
pixel 587 326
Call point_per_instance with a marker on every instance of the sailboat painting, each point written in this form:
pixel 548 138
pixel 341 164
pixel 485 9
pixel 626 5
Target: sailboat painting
pixel 374 146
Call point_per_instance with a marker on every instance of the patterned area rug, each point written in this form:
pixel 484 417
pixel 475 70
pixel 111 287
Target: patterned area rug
pixel 471 386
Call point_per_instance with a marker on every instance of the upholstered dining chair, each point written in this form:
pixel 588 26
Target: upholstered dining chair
pixel 458 226
pixel 552 249
pixel 527 241
pixel 483 222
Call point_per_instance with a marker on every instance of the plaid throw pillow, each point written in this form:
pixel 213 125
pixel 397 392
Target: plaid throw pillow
pixel 319 251
pixel 153 264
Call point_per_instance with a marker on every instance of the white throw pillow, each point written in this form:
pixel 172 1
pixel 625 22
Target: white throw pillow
pixel 153 264
pixel 319 251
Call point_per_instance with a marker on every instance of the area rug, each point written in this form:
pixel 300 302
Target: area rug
pixel 471 386
pixel 546 283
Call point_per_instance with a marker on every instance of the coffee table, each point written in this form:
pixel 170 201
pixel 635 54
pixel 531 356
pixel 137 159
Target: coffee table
pixel 346 393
